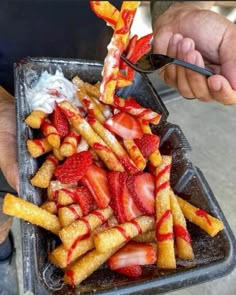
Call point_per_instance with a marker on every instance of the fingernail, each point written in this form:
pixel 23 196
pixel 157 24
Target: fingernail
pixel 191 58
pixel 186 45
pixel 216 86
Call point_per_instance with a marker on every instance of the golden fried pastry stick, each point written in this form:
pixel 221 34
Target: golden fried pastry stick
pixel 44 175
pixel 182 236
pixel 82 228
pixel 164 220
pixel 201 218
pixel 122 233
pixel 27 211
pixel 35 119
pixel 92 138
pixel 38 147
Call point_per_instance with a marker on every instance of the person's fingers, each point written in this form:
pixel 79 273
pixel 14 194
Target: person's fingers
pixel 8 159
pixel 161 41
pixel 221 90
pixel 184 46
pixel 170 76
pixel 198 82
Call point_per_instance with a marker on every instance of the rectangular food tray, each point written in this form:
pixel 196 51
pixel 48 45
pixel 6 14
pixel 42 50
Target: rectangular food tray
pixel 214 257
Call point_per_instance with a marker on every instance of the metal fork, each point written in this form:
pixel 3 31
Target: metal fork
pixel 152 62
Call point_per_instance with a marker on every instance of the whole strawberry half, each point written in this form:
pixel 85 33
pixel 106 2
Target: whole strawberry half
pixel 74 167
pixel 141 187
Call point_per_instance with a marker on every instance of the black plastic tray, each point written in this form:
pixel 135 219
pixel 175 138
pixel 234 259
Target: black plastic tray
pixel 214 257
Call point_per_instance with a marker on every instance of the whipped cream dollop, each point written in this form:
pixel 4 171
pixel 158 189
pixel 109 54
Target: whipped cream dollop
pixel 50 89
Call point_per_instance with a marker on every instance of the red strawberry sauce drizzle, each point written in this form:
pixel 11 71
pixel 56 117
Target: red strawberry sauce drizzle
pixel 123 232
pixel 136 224
pixel 53 160
pixel 99 215
pixel 99 146
pixel 70 274
pixel 163 237
pixel 166 169
pixel 39 143
pixel 162 186
pixel 79 238
pixel 181 232
pixel 73 210
pixel 71 194
pixel 203 214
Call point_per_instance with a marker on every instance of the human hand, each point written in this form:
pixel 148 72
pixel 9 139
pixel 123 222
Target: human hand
pixel 8 158
pixel 204 38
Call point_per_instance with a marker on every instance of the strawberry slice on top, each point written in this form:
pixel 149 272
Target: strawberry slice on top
pixel 96 181
pixel 133 253
pixel 60 121
pixel 141 187
pixel 85 199
pixel 124 125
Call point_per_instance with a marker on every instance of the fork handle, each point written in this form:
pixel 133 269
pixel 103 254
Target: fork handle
pixel 193 67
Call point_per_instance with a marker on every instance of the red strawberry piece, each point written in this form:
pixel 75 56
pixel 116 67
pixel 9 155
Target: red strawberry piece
pixel 141 187
pixel 133 253
pixel 74 167
pixel 148 143
pixel 96 181
pixel 85 199
pixel 60 121
pixel 132 271
pixel 124 125
pixel 114 182
pixel 130 210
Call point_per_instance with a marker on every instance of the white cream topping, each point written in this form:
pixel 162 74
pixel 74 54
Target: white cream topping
pixel 50 89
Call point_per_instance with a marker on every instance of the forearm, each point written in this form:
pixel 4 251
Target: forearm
pixel 159 7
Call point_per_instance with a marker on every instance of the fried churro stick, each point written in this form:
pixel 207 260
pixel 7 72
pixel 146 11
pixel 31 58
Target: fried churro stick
pixel 90 262
pixel 44 175
pixel 27 211
pixel 114 144
pixel 69 214
pixel 201 218
pixel 164 221
pixel 155 157
pixel 116 47
pixel 131 106
pixel 38 147
pixel 66 196
pixel 82 228
pixel 147 237
pixel 70 144
pixel 50 206
pixel 135 153
pixel 92 138
pixel 117 235
pixel 57 154
pixel 35 119
pixel 51 133
pixel 90 106
pixel 62 257
pixel 182 236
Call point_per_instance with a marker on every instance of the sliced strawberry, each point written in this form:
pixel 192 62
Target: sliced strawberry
pixel 114 182
pixel 96 181
pixel 124 125
pixel 74 167
pixel 141 187
pixel 133 253
pixel 85 199
pixel 130 210
pixel 60 121
pixel 132 271
pixel 148 143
